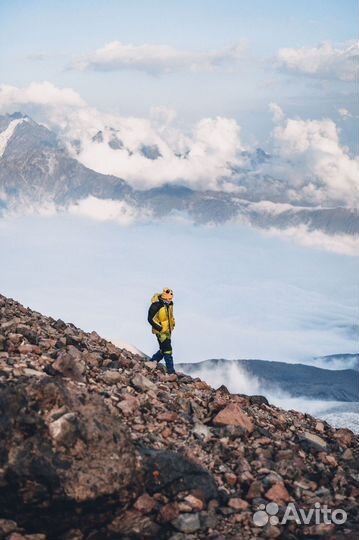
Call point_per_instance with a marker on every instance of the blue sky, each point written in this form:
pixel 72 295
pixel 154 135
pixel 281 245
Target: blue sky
pixel 203 59
pixel 62 32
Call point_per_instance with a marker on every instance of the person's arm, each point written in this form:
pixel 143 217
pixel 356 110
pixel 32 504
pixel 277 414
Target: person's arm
pixel 173 319
pixel 154 308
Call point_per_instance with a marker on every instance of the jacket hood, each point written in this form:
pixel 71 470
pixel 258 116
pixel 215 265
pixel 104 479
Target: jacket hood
pixel 157 298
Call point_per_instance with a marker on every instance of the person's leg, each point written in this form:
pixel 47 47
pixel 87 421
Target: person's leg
pixel 169 363
pixel 166 348
pixel 157 357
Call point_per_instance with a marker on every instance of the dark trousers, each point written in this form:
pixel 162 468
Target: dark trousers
pixel 165 352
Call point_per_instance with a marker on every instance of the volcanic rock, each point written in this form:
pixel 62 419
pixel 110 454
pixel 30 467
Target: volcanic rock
pixel 234 416
pixel 96 444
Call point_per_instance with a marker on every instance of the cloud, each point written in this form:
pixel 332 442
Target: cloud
pixel 314 166
pixel 159 59
pixel 343 244
pixel 43 94
pixel 326 61
pixel 277 112
pixel 106 210
pixel 149 152
pixel 344 114
pixel 307 165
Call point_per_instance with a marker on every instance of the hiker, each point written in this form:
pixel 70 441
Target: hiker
pixel 160 317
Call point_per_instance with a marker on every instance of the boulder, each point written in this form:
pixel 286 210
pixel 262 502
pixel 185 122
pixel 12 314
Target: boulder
pixel 69 366
pixel 112 376
pixel 233 415
pixel 84 456
pixel 258 400
pixel 142 383
pixel 278 493
pixel 310 440
pixel 170 472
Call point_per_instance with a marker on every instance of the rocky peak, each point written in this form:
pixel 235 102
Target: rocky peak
pixel 98 443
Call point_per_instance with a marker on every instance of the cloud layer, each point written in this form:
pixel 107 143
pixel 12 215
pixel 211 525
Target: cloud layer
pixel 309 156
pixel 307 165
pixel 106 210
pixel 326 61
pixel 156 59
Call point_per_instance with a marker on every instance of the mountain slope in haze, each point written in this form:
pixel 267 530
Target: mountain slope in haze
pixel 333 360
pixel 98 444
pixel 296 380
pixel 36 170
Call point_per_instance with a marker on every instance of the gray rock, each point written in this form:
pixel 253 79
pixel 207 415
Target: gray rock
pixel 140 382
pixel 63 430
pixel 208 520
pixel 313 441
pixel 112 376
pixel 34 373
pixel 187 523
pixel 201 431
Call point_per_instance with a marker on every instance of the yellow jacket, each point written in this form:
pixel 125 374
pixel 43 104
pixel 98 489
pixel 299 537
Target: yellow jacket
pixel 160 316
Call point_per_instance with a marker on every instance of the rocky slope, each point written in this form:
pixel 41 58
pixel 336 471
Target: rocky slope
pixel 97 444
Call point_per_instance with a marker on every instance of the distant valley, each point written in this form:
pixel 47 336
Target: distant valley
pixel 295 380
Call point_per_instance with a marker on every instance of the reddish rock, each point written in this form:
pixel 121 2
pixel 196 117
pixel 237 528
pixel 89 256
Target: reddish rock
pixel 112 376
pixel 167 417
pixel 238 504
pixel 134 524
pixel 231 479
pixel 196 504
pixel 26 348
pixel 232 415
pixel 319 426
pixel 167 432
pixel 169 512
pixel 278 494
pixel 145 504
pixel 128 405
pixel 330 460
pixel 255 490
pixel 69 367
pixel 344 436
pixel 169 377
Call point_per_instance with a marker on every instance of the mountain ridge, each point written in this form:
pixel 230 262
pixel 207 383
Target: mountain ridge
pixel 37 169
pixel 297 380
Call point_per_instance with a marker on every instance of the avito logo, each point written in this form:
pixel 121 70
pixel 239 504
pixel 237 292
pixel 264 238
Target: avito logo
pixel 319 514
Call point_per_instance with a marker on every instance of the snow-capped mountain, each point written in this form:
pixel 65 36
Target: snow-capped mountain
pixel 37 170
